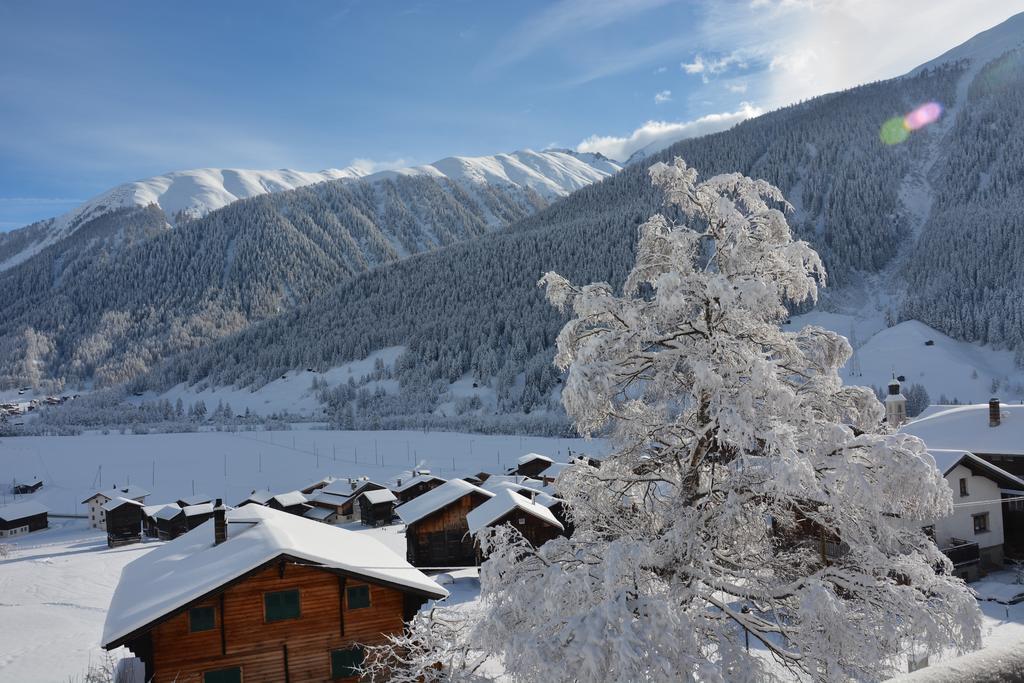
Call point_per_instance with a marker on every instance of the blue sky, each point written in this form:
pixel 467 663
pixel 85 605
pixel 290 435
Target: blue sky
pixel 95 94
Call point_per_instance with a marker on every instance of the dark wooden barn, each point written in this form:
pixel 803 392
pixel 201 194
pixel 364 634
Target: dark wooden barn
pixel 377 507
pixel 531 465
pixel 437 533
pixel 124 521
pixel 170 522
pixel 520 509
pixel 26 487
pixel 414 487
pixel 21 518
pixel 296 600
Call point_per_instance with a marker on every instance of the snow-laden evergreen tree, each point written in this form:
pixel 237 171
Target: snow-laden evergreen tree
pixel 754 521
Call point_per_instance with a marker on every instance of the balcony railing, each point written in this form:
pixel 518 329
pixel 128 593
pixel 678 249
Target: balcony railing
pixel 962 552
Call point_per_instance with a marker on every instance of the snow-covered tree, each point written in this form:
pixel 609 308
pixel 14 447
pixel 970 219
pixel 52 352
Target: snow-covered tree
pixel 753 520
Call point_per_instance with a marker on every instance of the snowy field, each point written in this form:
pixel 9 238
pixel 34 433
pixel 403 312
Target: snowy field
pixel 230 465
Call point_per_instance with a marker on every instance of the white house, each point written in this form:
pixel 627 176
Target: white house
pixel 974 535
pixel 993 431
pixel 97 516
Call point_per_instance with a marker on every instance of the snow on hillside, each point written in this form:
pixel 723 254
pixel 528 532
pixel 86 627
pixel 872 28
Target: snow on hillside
pixel 551 173
pixel 195 193
pixel 292 393
pixel 958 370
pixel 983 47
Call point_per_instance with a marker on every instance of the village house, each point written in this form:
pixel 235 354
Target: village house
pixel 320 484
pixel 197 514
pixel 534 521
pixel 261 497
pixel 973 536
pixel 414 485
pixel 170 522
pixel 376 507
pixel 321 514
pixel 540 495
pixel 531 465
pixel 341 496
pixel 149 521
pixel 437 533
pixel 97 517
pixel 993 432
pixel 194 499
pixel 26 487
pixel 21 518
pixel 293 502
pixel 257 594
pixel 123 520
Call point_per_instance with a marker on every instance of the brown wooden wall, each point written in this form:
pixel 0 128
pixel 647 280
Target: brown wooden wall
pixel 259 647
pixel 442 539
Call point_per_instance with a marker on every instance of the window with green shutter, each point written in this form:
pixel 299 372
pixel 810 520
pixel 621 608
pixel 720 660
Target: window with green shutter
pixel 358 597
pixel 223 676
pixel 346 663
pixel 201 619
pixel 281 605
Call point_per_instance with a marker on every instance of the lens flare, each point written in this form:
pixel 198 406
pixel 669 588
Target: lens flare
pixel 923 115
pixel 898 128
pixel 893 131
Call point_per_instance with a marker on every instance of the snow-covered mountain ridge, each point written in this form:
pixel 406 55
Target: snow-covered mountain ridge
pixel 191 194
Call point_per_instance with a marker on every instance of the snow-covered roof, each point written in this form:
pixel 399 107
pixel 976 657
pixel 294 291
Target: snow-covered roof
pixel 966 428
pixel 168 512
pixel 530 457
pixel 379 496
pixel 319 514
pixel 504 502
pixel 291 498
pixel 495 482
pixel 431 501
pixel 542 497
pixel 321 496
pixel 555 469
pixel 117 502
pixel 196 499
pixel 341 487
pixel 152 510
pixel 947 459
pixel 201 509
pixel 418 479
pixel 190 567
pixel 260 497
pixel 21 510
pixel 123 491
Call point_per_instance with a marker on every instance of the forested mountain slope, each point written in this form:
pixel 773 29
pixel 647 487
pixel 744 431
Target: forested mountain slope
pixel 475 307
pixel 124 290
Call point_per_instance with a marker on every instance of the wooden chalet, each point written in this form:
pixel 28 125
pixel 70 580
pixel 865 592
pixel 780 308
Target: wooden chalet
pixel 170 522
pixel 420 482
pixel 293 502
pixel 26 487
pixel 124 521
pixel 437 533
pixel 341 496
pixel 195 499
pixel 540 495
pixel 376 507
pixel 531 465
pixel 21 518
pixel 197 514
pixel 321 484
pixel 257 594
pixel 261 497
pixel 150 529
pixel 95 502
pixel 534 521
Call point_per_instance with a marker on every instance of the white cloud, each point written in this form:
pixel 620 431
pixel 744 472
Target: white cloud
pixel 661 70
pixel 738 88
pixel 700 65
pixel 368 166
pixel 656 135
pixel 663 96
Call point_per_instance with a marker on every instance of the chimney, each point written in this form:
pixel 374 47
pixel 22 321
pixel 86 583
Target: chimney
pixel 220 523
pixel 993 412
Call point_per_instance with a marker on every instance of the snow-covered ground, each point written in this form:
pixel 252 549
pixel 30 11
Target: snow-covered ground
pixel 959 370
pixel 55 586
pixel 230 465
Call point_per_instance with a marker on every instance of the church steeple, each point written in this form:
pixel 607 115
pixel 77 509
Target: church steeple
pixel 895 404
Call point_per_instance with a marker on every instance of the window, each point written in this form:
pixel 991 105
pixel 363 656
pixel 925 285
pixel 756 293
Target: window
pixel 981 523
pixel 963 488
pixel 200 619
pixel 281 605
pixel 358 597
pixel 233 675
pixel 346 663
